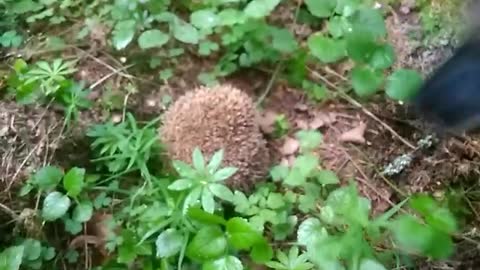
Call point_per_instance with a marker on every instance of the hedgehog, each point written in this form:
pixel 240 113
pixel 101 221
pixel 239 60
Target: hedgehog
pixel 214 118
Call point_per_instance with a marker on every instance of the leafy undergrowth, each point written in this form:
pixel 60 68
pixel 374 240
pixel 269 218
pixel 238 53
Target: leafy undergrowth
pixel 132 207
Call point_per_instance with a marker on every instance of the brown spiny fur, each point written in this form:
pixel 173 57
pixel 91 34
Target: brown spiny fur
pixel 215 118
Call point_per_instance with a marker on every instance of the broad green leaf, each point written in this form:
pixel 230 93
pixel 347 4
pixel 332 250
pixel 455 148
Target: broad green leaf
pixel 306 164
pixel 32 249
pixel 310 232
pixel 241 233
pixel 181 184
pixel 83 212
pixel 224 173
pixel 275 201
pixel 24 6
pixel 221 191
pixel 383 57
pixel 48 253
pixel 73 181
pixel 55 205
pixel 198 160
pixel 225 263
pixel 283 40
pixel 72 226
pixel 231 16
pixel 403 84
pixel 260 8
pixel 309 139
pixel 152 38
pixel 204 18
pixel 169 243
pixel 205 217
pixel 261 252
pixel 360 46
pixel 209 243
pixel 369 264
pixel 295 177
pixel 215 161
pixel 327 177
pixel 365 81
pixel 326 49
pixel 321 8
pixel 185 32
pixel 48 177
pixel 123 34
pixel 208 204
pixel 11 258
pixel 336 26
pixel 279 172
pixel 369 20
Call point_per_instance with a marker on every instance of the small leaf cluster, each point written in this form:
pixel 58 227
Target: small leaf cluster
pixel 26 253
pixel 61 193
pixel 46 81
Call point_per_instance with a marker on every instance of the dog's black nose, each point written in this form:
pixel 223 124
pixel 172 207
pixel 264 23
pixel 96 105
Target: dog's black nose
pixel 450 98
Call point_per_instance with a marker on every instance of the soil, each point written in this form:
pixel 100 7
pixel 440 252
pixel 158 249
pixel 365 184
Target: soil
pixel 31 137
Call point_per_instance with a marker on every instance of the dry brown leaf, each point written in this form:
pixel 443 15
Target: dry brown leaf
pixel 266 121
pixel 301 124
pixel 290 146
pixel 355 135
pixel 301 107
pixel 321 119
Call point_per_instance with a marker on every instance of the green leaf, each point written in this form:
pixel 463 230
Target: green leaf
pixel 383 57
pixel 48 253
pixel 204 18
pixel 48 177
pixel 72 226
pixel 83 212
pixel 366 81
pixel 205 217
pixel 208 204
pixel 321 8
pixel 361 46
pixel 369 20
pixel 11 258
pixel 369 264
pixel 215 161
pixel 73 181
pixel 283 40
pixel 225 263
pixel 309 139
pixel 184 169
pixel 32 249
pixel 306 164
pixel 310 232
pixel 192 198
pixel 261 252
pixel 326 49
pixel 185 32
pixel 224 174
pixel 25 6
pixel 152 38
pixel 275 201
pixel 55 205
pixel 327 177
pixel 209 243
pixel 123 33
pixel 198 160
pixel 169 243
pixel 181 184
pixel 221 191
pixel 403 84
pixel 241 234
pixel 260 8
pixel 279 172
